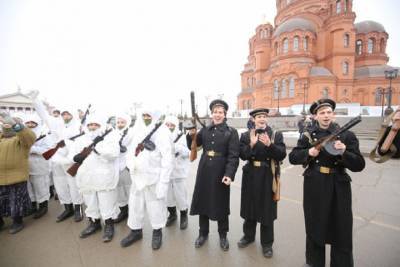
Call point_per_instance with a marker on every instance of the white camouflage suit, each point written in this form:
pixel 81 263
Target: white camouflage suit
pixel 177 192
pixel 39 168
pixel 150 172
pixel 124 183
pixel 64 184
pixel 97 177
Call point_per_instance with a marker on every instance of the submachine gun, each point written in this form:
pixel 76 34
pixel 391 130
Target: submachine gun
pixel 195 119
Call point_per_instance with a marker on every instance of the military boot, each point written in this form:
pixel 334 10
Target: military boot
pixel 108 230
pixel 93 227
pixel 267 251
pixel 78 213
pixel 43 208
pixel 223 242
pixel 172 216
pixel 33 208
pixel 156 240
pixel 184 219
pixel 17 225
pixel 133 236
pixel 68 212
pixel 122 215
pixel 1 223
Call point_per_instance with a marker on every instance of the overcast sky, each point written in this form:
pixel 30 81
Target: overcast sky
pixel 154 52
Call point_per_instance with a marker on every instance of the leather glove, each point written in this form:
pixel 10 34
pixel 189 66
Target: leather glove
pixel 79 158
pixel 98 139
pixel 162 190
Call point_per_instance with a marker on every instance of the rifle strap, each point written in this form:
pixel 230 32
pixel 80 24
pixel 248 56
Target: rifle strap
pixel 178 137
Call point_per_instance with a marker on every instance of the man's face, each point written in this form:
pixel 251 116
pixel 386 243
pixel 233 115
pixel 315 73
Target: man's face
pixel 324 117
pixel 261 121
pixel 30 124
pixel 218 115
pixel 93 127
pixel 170 126
pixel 66 117
pixel 121 123
pixel 56 114
pixel 146 119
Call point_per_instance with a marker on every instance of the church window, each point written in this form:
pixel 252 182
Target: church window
pixel 284 88
pixel 359 45
pixel 345 66
pixel 325 92
pixel 291 87
pixel 305 43
pixel 346 40
pixel 338 7
pixel 371 45
pixel 285 45
pixel 276 89
pixel 296 43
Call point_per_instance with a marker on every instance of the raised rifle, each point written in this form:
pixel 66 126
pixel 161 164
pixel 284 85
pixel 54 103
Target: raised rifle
pixel 328 142
pixel 86 114
pixel 195 119
pixel 146 143
pixel 86 152
pixel 49 153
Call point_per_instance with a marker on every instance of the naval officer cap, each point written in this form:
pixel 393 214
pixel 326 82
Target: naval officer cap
pixel 325 102
pixel 219 103
pixel 259 111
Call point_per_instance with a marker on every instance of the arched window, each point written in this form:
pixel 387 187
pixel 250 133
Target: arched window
pixel 325 92
pixel 345 6
pixel 345 68
pixel 346 40
pixel 371 45
pixel 305 43
pixel 248 104
pixel 284 88
pixel 285 44
pixel 338 7
pixel 382 45
pixel 276 48
pixel 378 97
pixel 291 87
pixel 359 45
pixel 296 43
pixel 263 33
pixel 276 89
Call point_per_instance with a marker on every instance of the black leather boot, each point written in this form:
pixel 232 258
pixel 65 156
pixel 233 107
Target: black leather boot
pixel 184 219
pixel 1 223
pixel 68 212
pixel 17 225
pixel 78 213
pixel 267 251
pixel 93 227
pixel 200 241
pixel 223 242
pixel 33 208
pixel 122 215
pixel 108 230
pixel 172 216
pixel 133 236
pixel 43 207
pixel 244 242
pixel 156 240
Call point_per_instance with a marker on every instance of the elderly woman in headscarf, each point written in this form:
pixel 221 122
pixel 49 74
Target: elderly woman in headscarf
pixel 15 144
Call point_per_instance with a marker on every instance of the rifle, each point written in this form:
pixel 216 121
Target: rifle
pixel 123 148
pixel 195 117
pixel 180 132
pixel 327 142
pixel 146 143
pixel 49 153
pixel 85 152
pixel 86 114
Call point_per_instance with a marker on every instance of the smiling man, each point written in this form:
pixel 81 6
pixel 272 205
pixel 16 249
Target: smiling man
pixel 327 190
pixel 216 171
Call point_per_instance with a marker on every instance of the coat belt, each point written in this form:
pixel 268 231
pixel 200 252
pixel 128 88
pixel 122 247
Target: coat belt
pixel 258 164
pixel 327 170
pixel 212 153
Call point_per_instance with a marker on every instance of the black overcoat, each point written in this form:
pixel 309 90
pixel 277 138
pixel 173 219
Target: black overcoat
pixel 327 197
pixel 211 196
pixel 256 195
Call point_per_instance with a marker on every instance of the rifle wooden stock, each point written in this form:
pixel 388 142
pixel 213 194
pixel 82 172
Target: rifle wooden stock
pixel 139 148
pixel 387 143
pixel 74 169
pixel 49 153
pixel 193 148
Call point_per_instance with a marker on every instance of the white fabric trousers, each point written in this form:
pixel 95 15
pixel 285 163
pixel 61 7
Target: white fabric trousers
pixel 101 204
pixel 146 200
pixel 66 187
pixel 38 188
pixel 177 194
pixel 124 187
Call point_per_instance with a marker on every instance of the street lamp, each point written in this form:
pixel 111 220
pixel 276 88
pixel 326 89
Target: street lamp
pixel 279 92
pixel 181 100
pixel 207 99
pixel 390 75
pixel 382 93
pixel 305 86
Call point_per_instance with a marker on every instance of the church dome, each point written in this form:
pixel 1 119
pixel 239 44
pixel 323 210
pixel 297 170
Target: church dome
pixel 294 24
pixel 369 26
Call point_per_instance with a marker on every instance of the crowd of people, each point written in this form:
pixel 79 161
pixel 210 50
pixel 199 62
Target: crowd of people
pixel 127 170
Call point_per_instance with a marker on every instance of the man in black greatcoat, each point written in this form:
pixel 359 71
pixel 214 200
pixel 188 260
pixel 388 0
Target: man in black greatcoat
pixel 327 190
pixel 258 147
pixel 216 171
